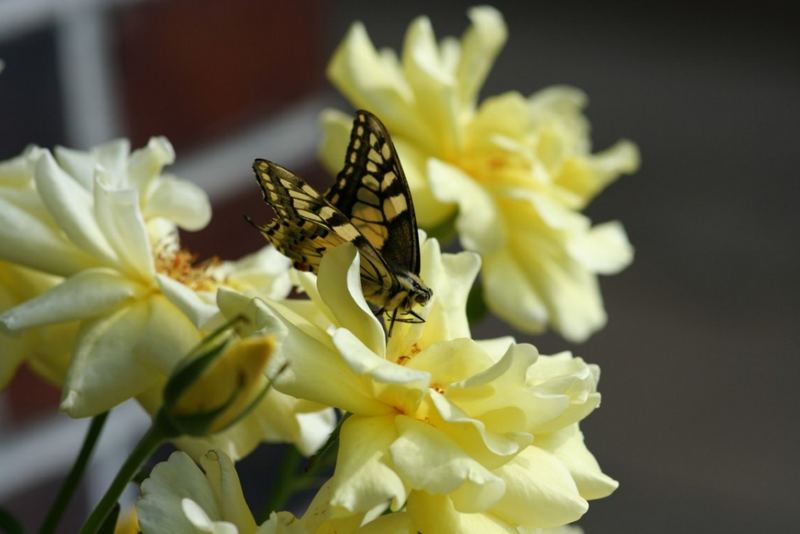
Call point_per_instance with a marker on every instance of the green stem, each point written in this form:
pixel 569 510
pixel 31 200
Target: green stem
pixel 143 450
pixel 284 486
pixel 10 524
pixel 74 477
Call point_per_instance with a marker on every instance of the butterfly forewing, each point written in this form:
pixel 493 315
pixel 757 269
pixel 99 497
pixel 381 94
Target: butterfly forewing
pixel 307 225
pixel 372 192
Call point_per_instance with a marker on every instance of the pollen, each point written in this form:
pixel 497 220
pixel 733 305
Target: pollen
pixel 182 265
pixel 413 350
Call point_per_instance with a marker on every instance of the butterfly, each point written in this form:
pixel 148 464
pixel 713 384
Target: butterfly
pixel 369 206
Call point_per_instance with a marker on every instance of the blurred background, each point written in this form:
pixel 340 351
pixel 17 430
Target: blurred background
pixel 700 356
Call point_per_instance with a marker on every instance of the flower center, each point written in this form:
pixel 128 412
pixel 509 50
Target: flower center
pixel 182 265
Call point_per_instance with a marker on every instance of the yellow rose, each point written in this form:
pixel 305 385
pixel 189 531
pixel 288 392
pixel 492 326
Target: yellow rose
pixel 516 169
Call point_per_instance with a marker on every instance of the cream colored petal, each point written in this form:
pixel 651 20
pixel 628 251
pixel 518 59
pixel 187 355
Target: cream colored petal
pixel 335 138
pixel 374 82
pixel 483 444
pixel 71 207
pixel 364 477
pixel 18 171
pixel 433 463
pixel 145 164
pixel 414 157
pixel 436 513
pixel 277 419
pixel 479 48
pixel 392 523
pixel 13 348
pixel 451 287
pixel 87 294
pixel 179 201
pixel 105 370
pixel 78 164
pixel 189 302
pixel 202 523
pixel 260 319
pixel 510 295
pixel 112 159
pixel 478 222
pixel 41 246
pixel 451 361
pixel 503 115
pixel 561 107
pixel 266 272
pixel 54 347
pixel 160 506
pixel 435 89
pixel 450 277
pixel 540 491
pixel 501 397
pixel 317 372
pixel 321 517
pixel 118 215
pixel 604 249
pixel 570 380
pixel 585 175
pixel 570 293
pixel 314 430
pixel 170 335
pixel 398 388
pixel 285 523
pixel 346 300
pixel 495 348
pixel 224 482
pixel 568 446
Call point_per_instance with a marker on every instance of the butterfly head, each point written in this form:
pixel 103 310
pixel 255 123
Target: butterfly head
pixel 414 291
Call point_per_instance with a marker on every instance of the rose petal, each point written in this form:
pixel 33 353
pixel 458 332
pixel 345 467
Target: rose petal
pixel 224 482
pixel 568 446
pixel 105 370
pixel 479 48
pixel 363 478
pixel 431 462
pixel 604 249
pixel 88 294
pixel 71 207
pixel 180 201
pixel 540 491
pixel 350 309
pixel 396 387
pixel 477 223
pixel 118 215
pixel 188 301
pixel 160 510
pixel 40 246
pixel 145 164
pixel 436 513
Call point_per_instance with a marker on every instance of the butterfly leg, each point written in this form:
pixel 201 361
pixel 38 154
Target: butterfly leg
pixel 391 325
pixel 417 317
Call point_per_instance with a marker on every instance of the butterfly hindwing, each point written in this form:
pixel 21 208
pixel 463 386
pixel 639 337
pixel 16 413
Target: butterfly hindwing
pixel 307 225
pixel 372 192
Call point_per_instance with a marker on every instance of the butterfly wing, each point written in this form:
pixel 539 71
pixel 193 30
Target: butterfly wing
pixel 373 193
pixel 307 225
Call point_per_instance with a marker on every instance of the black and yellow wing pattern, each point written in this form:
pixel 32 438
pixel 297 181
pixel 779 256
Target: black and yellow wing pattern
pixel 369 206
pixel 372 191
